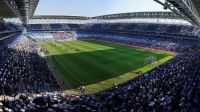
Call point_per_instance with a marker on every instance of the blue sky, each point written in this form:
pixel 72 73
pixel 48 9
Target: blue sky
pixel 94 7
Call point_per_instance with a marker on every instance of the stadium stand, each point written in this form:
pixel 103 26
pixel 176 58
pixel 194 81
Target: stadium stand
pixel 162 43
pixel 172 86
pixel 52 36
pixel 119 27
pixel 36 27
pixel 28 85
pixel 22 65
pixel 152 91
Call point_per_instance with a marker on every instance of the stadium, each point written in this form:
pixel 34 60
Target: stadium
pixel 146 61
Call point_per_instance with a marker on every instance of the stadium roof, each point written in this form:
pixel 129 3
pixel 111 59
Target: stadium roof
pixel 60 17
pixel 188 9
pixel 6 10
pixel 23 9
pixel 163 15
pixel 134 17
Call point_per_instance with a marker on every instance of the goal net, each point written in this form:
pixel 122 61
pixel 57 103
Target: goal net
pixel 151 60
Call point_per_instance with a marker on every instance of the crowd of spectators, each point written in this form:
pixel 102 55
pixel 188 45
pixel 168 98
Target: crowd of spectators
pixel 173 86
pixel 27 85
pixel 182 30
pixel 63 35
pixel 22 70
pixel 52 36
pixel 41 36
pixel 8 26
pixel 26 78
pixel 49 102
pixel 162 43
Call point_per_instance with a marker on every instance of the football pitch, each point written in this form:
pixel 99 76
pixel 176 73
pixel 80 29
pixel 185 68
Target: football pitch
pixel 98 65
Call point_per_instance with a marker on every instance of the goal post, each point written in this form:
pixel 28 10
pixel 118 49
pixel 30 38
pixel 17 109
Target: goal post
pixel 150 60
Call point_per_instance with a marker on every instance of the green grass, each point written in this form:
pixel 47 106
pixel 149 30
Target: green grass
pixel 98 65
